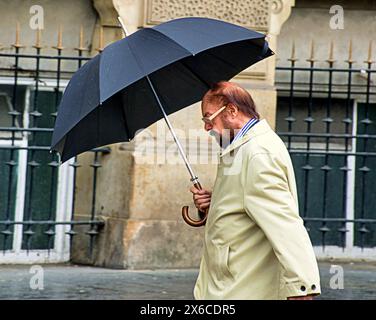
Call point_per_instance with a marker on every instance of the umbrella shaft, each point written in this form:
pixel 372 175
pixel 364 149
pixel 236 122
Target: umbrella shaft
pixel 194 178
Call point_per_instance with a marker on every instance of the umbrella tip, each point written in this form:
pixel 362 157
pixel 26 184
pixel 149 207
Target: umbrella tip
pixel 126 33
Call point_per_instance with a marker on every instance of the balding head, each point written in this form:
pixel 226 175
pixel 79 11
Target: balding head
pixel 224 93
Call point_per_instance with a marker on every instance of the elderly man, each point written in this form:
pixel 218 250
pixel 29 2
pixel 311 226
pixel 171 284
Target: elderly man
pixel 256 246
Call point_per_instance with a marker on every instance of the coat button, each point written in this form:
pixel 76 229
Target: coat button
pixel 302 288
pixel 313 287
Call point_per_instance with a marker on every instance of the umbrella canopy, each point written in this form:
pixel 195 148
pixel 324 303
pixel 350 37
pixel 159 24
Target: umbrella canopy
pixel 114 95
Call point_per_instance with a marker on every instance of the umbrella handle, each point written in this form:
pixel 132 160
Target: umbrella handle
pixel 194 223
pixel 202 214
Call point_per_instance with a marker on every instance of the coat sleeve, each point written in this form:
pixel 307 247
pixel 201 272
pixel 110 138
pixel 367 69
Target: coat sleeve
pixel 270 203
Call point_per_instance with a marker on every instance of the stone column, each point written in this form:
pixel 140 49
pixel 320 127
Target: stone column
pixel 140 195
pixel 107 28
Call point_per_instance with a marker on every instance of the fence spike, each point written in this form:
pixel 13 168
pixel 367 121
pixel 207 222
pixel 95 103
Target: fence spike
pixel 17 43
pixel 59 45
pixel 81 40
pixel 293 58
pixel 38 39
pixel 17 34
pixel 369 60
pixel 81 43
pixel 100 47
pixel 350 60
pixel 312 56
pixel 331 52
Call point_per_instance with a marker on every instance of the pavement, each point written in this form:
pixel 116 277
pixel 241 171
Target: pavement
pixel 75 282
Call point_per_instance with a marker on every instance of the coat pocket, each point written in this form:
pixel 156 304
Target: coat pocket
pixel 218 271
pixel 222 262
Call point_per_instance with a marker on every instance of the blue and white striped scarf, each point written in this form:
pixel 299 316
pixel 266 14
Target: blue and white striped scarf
pixel 245 128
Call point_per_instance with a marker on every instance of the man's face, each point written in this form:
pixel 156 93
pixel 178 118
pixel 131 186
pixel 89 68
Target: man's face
pixel 221 126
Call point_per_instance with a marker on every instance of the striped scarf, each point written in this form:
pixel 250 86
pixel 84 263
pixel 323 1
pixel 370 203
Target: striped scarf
pixel 245 128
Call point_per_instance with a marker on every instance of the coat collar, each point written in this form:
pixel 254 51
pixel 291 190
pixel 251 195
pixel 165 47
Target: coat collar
pixel 259 128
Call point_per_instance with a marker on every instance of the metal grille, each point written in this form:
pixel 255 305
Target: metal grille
pixel 31 179
pixel 326 115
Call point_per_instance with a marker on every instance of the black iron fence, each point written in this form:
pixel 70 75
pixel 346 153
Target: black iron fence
pixel 326 114
pixel 31 85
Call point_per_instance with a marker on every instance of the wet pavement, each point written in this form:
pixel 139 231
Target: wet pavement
pixel 84 282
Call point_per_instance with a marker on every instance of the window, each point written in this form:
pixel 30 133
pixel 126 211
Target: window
pixel 334 169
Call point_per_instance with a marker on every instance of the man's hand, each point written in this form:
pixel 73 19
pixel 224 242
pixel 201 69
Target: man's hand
pixel 201 198
pixel 309 297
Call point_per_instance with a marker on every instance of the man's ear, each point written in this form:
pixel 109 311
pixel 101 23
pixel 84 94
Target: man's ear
pixel 233 109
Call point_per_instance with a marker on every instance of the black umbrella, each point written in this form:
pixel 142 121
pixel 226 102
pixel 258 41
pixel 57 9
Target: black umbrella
pixel 151 73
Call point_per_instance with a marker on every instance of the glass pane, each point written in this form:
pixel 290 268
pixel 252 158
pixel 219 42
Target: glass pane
pixel 6 93
pixel 312 195
pixel 365 178
pixel 5 191
pixel 43 187
pixel 6 119
pixel 8 176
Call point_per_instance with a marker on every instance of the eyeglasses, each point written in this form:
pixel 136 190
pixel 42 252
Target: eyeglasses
pixel 209 120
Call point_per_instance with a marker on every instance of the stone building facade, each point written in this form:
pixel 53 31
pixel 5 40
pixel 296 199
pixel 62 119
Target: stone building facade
pixel 140 202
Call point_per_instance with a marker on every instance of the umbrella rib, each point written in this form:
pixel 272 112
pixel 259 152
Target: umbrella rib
pixel 221 59
pixel 202 31
pixel 215 57
pixel 172 40
pixel 135 57
pixel 226 61
pixel 125 117
pixel 139 63
pixel 196 74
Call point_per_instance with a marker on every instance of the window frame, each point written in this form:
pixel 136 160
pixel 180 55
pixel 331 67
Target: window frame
pixel 64 198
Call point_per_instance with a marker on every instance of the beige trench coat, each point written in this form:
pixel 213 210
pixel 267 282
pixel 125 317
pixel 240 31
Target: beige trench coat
pixel 255 244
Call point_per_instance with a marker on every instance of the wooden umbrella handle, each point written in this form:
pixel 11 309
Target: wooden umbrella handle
pixel 194 223
pixel 202 214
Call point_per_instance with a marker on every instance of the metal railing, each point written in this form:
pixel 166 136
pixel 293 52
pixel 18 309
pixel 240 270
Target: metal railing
pixel 326 116
pixel 38 220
